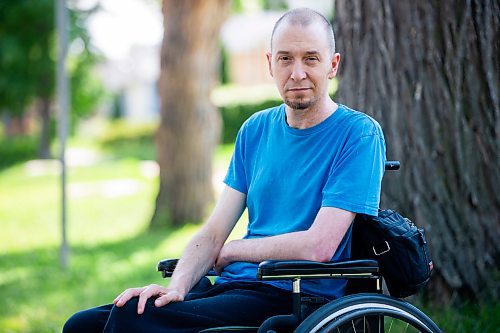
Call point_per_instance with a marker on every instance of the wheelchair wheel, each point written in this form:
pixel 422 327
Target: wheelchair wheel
pixel 367 313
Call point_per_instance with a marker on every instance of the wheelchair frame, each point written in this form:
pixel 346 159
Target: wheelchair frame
pixel 363 299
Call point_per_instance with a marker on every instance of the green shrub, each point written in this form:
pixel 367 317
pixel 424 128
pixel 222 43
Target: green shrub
pixel 235 106
pixel 127 139
pixel 17 149
pixel 122 131
pixel 234 115
pixel 121 135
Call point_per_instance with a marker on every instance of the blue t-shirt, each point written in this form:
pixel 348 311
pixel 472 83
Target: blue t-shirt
pixel 288 174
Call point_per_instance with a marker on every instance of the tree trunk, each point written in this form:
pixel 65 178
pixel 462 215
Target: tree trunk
pixel 428 70
pixel 44 143
pixel 190 124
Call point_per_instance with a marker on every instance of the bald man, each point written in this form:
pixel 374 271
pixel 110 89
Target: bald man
pixel 303 169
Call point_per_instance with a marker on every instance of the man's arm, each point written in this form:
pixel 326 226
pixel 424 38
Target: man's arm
pixel 198 257
pixel 202 251
pixel 318 243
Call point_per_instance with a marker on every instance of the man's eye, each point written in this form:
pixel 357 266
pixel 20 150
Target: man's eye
pixel 284 58
pixel 312 59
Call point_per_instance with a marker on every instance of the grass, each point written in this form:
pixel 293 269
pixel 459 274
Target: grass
pixel 110 204
pixel 109 248
pixel 467 318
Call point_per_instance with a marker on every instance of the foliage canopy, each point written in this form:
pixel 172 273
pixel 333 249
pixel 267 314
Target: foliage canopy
pixel 28 57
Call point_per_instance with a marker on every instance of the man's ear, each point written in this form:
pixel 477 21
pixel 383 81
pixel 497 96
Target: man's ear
pixel 268 56
pixel 335 66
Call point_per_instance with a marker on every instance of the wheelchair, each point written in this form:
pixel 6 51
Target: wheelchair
pixel 364 308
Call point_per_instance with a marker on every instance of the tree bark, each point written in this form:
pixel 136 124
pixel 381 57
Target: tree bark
pixel 428 70
pixel 190 124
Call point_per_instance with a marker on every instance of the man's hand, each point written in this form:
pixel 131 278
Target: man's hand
pixel 223 258
pixel 165 296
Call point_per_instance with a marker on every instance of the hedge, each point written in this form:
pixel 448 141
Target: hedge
pixel 17 149
pixel 233 116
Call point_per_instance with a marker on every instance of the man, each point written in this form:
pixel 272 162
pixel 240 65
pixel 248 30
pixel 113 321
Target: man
pixel 303 170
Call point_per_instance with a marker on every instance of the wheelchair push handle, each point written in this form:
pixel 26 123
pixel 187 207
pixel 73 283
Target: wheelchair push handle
pixel 392 165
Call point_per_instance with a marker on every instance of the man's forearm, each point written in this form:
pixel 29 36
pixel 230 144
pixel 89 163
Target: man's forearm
pixel 200 254
pixel 318 243
pixel 292 246
pixel 198 258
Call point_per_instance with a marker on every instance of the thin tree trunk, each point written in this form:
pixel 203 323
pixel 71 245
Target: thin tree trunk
pixel 428 70
pixel 190 124
pixel 44 142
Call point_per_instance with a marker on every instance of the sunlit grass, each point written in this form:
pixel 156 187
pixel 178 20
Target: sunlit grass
pixel 109 207
pixel 105 233
pixel 30 205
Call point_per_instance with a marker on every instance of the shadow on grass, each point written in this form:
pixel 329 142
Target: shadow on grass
pixel 32 281
pixel 36 295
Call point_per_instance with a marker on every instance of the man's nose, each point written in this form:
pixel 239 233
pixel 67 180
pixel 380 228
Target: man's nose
pixel 298 71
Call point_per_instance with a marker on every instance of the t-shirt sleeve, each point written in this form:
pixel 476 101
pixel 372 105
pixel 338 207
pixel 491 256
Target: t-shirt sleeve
pixel 354 181
pixel 236 176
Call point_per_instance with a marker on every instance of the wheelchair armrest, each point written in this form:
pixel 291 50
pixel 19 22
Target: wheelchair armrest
pixel 291 269
pixel 166 267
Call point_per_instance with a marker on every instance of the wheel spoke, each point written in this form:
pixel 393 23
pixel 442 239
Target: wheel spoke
pixel 390 327
pixel 377 312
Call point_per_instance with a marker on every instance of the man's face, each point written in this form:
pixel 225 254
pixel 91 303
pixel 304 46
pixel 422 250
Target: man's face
pixel 301 64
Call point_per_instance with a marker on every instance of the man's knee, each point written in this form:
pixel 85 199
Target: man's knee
pixel 78 322
pixel 72 324
pixel 126 318
pixel 128 310
pixel 90 320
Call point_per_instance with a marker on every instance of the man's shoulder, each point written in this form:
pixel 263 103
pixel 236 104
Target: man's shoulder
pixel 359 122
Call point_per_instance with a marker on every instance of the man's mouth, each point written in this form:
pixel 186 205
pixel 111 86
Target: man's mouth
pixel 298 89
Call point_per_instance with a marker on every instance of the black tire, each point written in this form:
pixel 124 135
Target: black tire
pixel 367 313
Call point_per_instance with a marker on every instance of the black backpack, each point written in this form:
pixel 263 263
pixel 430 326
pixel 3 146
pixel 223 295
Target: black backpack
pixel 399 247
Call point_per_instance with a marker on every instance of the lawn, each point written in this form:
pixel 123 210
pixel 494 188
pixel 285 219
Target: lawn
pixel 109 206
pixel 110 203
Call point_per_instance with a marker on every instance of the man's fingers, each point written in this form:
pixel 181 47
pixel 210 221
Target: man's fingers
pixel 165 296
pixel 162 301
pixel 152 290
pixel 217 265
pixel 170 296
pixel 126 295
pixel 117 298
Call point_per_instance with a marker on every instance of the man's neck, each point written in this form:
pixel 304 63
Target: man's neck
pixel 305 118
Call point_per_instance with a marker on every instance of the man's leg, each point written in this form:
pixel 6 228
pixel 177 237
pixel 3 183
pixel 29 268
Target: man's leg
pixel 223 305
pixel 88 321
pixel 94 320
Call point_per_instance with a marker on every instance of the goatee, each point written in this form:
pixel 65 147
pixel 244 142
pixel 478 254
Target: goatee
pixel 299 104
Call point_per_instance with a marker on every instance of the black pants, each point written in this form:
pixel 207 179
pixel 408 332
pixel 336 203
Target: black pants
pixel 235 303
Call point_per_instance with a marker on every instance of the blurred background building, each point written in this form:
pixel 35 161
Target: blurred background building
pixel 132 62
